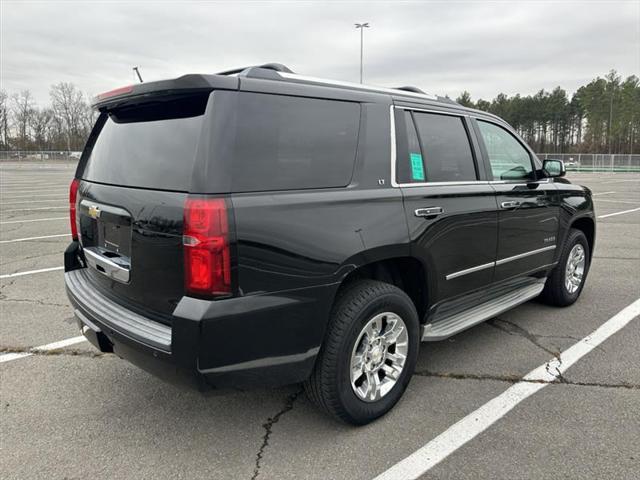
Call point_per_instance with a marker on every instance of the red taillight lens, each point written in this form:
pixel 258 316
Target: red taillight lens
pixel 115 92
pixel 73 197
pixel 207 261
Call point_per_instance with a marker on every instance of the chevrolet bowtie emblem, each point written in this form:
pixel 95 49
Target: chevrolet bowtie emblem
pixel 94 211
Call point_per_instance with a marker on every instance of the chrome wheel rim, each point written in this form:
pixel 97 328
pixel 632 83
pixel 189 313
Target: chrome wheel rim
pixel 574 270
pixel 379 356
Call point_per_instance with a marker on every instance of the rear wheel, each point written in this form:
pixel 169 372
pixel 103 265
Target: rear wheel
pixel 369 353
pixel 565 283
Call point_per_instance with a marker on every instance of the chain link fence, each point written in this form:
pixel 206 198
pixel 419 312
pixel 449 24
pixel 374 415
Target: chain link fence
pixel 596 162
pixel 577 162
pixel 39 156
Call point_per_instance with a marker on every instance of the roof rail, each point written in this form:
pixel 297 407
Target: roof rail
pixel 278 67
pixel 409 88
pixel 358 86
pixel 279 71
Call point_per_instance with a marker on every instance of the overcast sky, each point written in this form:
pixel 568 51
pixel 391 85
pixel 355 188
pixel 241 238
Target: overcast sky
pixel 441 47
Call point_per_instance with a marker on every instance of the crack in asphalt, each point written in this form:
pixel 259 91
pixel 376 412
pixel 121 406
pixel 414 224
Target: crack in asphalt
pixel 514 329
pixel 32 257
pixel 56 352
pixel 512 378
pixel 7 284
pixel 268 427
pixel 30 300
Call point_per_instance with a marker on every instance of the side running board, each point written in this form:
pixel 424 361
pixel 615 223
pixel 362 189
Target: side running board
pixel 447 326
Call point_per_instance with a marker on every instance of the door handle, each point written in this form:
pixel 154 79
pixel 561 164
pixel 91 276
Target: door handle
pixel 512 204
pixel 428 211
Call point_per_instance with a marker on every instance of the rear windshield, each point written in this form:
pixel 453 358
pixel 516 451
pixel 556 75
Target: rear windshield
pixel 276 142
pixel 149 146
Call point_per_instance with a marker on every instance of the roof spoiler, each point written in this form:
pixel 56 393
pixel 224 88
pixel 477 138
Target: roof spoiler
pixel 144 92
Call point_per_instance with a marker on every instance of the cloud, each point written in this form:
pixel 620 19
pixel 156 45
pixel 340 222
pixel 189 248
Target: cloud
pixel 442 47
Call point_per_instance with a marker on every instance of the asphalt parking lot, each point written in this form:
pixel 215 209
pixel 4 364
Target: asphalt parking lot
pixel 69 412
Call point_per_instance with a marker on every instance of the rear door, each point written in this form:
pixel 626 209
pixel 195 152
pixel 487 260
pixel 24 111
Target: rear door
pixel 449 205
pixel 134 179
pixel 528 206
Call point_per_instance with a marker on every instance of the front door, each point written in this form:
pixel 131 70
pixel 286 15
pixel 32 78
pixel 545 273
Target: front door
pixel 527 206
pixel 450 208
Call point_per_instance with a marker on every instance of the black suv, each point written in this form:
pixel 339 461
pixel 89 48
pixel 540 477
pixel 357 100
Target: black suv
pixel 262 227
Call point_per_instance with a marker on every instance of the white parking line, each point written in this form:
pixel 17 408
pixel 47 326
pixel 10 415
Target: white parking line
pixel 619 213
pixel 26 186
pixel 32 209
pixel 33 201
pixel 41 193
pixel 26 239
pixel 623 181
pixel 35 220
pixel 54 195
pixel 618 201
pixel 7 357
pixel 602 193
pixel 478 421
pixel 30 272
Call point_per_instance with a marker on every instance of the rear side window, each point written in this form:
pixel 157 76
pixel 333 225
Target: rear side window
pixel 148 146
pixel 438 150
pixel 285 143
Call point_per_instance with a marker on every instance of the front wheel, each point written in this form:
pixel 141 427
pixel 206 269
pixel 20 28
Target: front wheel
pixel 369 353
pixel 566 281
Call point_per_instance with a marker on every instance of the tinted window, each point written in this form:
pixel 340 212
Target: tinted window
pixel 509 159
pixel 284 143
pixel 446 151
pixel 410 167
pixel 438 151
pixel 151 146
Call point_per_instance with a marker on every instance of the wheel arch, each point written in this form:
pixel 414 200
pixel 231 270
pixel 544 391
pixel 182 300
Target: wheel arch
pixel 586 225
pixel 404 271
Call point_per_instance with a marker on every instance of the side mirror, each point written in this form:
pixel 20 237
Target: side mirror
pixel 554 168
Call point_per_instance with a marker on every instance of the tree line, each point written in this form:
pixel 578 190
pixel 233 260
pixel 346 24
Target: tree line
pixel 600 117
pixel 63 124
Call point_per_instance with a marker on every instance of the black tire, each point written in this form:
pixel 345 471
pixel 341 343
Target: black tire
pixel 329 386
pixel 555 291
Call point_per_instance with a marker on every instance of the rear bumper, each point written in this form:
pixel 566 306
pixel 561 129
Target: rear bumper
pixel 234 343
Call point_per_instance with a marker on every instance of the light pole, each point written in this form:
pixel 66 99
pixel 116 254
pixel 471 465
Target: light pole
pixel 361 26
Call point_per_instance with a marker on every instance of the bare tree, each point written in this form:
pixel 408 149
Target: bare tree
pixel 41 127
pixel 68 104
pixel 4 119
pixel 23 107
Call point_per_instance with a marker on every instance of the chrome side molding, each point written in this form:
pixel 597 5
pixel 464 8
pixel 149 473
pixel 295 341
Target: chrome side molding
pixel 470 270
pixel 525 254
pixel 502 261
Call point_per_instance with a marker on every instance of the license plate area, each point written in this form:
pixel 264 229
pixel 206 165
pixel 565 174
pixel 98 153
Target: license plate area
pixel 105 236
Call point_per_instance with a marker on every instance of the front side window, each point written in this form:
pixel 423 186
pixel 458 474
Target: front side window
pixel 438 150
pixel 509 159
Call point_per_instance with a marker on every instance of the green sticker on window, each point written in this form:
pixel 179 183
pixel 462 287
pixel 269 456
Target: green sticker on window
pixel 417 169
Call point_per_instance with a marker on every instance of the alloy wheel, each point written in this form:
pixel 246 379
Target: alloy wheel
pixel 379 356
pixel 574 270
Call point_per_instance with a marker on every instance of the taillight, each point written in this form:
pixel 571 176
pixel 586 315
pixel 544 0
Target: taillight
pixel 207 261
pixel 73 197
pixel 115 92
